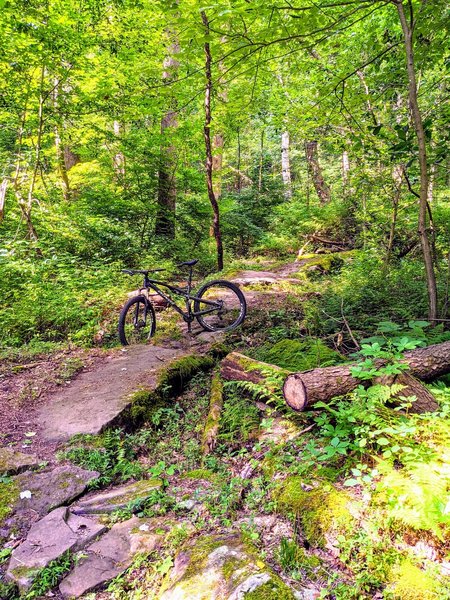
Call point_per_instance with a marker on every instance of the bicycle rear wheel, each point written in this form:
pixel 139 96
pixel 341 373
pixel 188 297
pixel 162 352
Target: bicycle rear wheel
pixel 222 304
pixel 137 321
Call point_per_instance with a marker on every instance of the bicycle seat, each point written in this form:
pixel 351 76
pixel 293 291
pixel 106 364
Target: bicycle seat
pixel 188 263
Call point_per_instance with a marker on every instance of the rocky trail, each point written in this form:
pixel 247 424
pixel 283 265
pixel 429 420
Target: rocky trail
pixel 50 512
pixel 164 527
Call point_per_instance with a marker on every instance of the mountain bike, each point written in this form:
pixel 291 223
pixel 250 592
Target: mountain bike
pixel 218 305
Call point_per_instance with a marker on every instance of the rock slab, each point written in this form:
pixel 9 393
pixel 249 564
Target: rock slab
pixel 111 555
pixel 50 489
pixel 96 399
pixel 47 540
pixel 13 462
pixel 116 498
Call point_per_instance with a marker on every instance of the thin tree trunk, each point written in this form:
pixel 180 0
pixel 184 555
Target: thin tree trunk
pixel 345 173
pixel 397 176
pixel 218 142
pixel 3 188
pixel 26 205
pixel 207 137
pixel 167 192
pixel 239 180
pixel 315 170
pixel 119 158
pixel 286 165
pixel 421 140
pixel 60 158
pixel 261 161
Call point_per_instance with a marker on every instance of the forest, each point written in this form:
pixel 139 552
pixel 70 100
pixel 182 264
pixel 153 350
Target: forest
pixel 299 149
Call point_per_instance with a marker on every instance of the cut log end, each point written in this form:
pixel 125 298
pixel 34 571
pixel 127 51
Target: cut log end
pixel 294 392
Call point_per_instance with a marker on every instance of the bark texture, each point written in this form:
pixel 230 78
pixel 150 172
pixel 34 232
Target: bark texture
pixel 315 170
pixel 167 191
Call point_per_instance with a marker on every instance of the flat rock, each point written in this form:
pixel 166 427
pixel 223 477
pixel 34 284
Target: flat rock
pixel 51 489
pixel 221 567
pixel 13 461
pixel 47 540
pixel 116 498
pixel 111 555
pixel 96 399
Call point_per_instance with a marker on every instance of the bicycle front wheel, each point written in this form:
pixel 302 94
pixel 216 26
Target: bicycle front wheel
pixel 220 306
pixel 137 321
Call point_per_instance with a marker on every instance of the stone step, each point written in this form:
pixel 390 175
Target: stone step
pixel 116 498
pixel 48 539
pixel 112 554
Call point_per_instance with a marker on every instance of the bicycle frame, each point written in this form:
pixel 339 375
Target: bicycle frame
pixel 189 315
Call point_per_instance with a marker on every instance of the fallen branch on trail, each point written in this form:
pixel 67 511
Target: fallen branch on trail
pixel 302 390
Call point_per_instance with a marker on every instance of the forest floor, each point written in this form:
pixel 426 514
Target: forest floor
pixel 151 512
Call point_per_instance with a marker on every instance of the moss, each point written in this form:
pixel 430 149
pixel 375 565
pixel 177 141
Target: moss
pixel 171 381
pixel 202 474
pixel 274 589
pixel 9 495
pixel 299 355
pixel 321 511
pixel 411 583
pixel 140 491
pixel 173 378
pixel 215 408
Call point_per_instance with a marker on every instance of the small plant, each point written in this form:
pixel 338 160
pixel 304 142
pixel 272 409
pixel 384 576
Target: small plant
pixel 240 418
pixel 114 460
pixel 49 577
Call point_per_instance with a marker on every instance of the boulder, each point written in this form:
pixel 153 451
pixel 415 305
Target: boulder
pixel 48 539
pixel 116 498
pixel 111 555
pixel 222 567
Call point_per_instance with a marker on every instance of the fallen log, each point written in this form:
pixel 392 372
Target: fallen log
pixel 303 390
pixel 211 430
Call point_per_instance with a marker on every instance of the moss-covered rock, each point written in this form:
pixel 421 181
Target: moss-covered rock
pixel 173 378
pixel 408 582
pixel 171 382
pixel 12 461
pixel 299 355
pixel 323 512
pixel 222 566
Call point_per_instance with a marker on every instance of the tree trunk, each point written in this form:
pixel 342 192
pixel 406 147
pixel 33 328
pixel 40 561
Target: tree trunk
pixel 119 158
pixel 315 170
pixel 60 159
pixel 421 140
pixel 302 390
pixel 397 176
pixel 286 165
pixel 3 188
pixel 209 157
pixel 218 142
pixel 345 172
pixel 167 192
